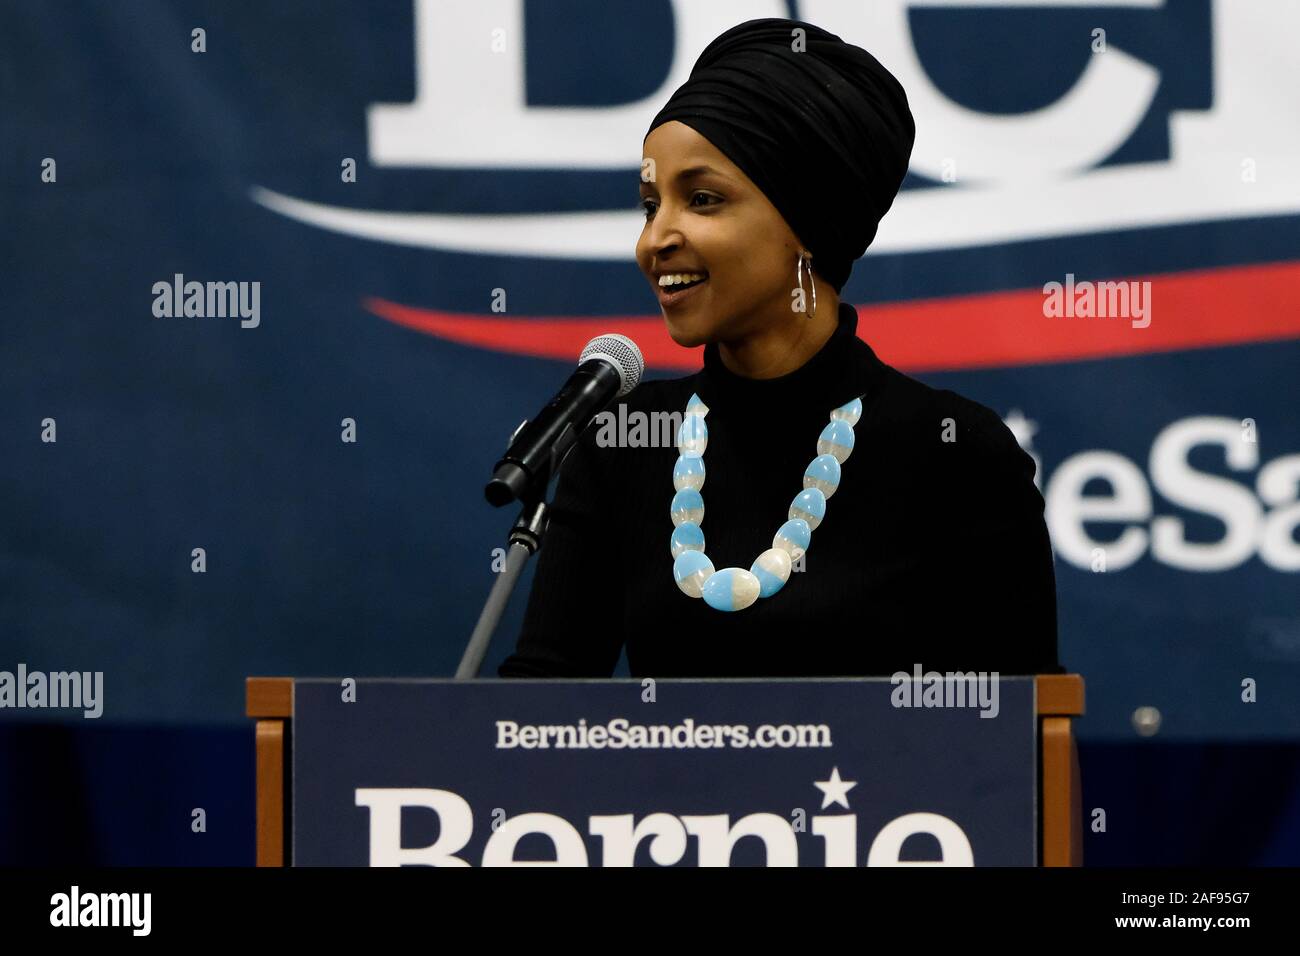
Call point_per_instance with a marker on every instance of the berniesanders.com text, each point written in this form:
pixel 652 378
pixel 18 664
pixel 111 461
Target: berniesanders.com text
pixel 620 733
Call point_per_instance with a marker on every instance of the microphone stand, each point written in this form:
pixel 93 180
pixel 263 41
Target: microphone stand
pixel 516 477
pixel 525 540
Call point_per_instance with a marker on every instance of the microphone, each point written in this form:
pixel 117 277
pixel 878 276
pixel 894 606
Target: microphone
pixel 609 367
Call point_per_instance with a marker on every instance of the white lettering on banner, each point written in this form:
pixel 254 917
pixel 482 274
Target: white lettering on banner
pixel 718 837
pixel 569 848
pixel 470 108
pixel 889 842
pixel 1024 176
pixel 455 825
pixel 618 733
pixel 620 835
pixel 1249 528
pixel 1086 125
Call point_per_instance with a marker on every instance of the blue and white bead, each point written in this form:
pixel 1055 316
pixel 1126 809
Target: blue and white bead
pixel 734 589
pixel 772 570
pixel 837 440
pixel 849 412
pixel 692 436
pixel 793 537
pixel 810 505
pixel 690 570
pixel 689 473
pixel 731 589
pixel 688 505
pixel 823 474
pixel 687 536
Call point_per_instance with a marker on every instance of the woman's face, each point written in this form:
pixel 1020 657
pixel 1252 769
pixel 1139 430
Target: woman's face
pixel 703 215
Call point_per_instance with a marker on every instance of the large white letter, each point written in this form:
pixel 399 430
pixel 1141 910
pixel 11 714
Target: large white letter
pixel 470 110
pixel 667 846
pixel 954 848
pixel 1279 484
pixel 717 840
pixel 841 835
pixel 455 824
pixel 1228 501
pixel 569 848
pixel 1068 508
pixel 1075 133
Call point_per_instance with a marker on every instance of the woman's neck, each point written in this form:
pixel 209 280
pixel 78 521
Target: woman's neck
pixel 782 347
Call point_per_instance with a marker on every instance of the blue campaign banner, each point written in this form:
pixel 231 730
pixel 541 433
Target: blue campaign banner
pixel 846 772
pixel 282 279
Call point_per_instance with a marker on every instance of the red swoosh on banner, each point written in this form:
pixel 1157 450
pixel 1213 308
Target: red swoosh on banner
pixel 1203 309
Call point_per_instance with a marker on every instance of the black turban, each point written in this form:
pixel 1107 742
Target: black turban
pixel 825 133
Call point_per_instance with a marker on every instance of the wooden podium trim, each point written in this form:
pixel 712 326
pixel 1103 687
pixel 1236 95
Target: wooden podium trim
pixel 1059 695
pixel 1062 801
pixel 268 697
pixel 270 793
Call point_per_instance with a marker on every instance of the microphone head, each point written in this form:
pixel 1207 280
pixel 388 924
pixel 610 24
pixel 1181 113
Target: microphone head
pixel 620 352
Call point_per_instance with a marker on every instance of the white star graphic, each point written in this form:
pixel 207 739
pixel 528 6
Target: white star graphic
pixel 1023 428
pixel 835 789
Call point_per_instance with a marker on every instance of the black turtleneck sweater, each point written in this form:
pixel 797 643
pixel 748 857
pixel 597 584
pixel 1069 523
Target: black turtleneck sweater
pixel 932 551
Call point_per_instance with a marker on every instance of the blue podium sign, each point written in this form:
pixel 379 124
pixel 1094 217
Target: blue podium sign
pixel 806 772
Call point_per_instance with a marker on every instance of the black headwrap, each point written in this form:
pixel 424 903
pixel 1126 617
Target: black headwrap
pixel 825 133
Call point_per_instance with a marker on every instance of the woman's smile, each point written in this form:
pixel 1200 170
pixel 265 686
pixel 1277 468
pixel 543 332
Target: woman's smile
pixel 674 288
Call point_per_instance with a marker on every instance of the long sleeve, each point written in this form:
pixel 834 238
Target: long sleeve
pixel 574 619
pixel 993 544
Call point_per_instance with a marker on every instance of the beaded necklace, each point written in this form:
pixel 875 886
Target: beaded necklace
pixel 734 589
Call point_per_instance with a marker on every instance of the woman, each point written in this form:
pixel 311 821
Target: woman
pixel 859 522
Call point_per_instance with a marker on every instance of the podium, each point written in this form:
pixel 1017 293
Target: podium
pixel 922 769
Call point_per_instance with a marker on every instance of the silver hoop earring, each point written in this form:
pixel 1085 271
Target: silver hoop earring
pixel 798 272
